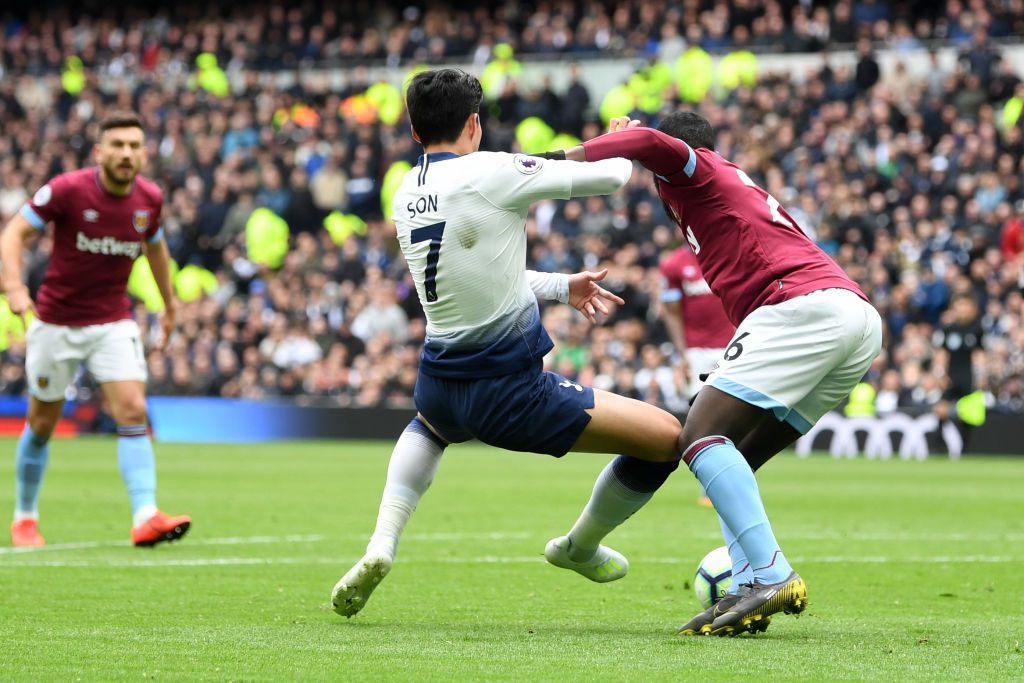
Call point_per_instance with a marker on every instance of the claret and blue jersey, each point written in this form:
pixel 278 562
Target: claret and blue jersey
pixel 96 238
pixel 751 251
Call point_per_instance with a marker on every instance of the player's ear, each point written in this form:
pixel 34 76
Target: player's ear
pixel 415 135
pixel 96 153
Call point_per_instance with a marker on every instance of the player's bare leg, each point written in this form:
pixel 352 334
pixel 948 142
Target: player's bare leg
pixel 150 526
pixel 765 441
pixel 33 454
pixel 646 437
pixel 411 469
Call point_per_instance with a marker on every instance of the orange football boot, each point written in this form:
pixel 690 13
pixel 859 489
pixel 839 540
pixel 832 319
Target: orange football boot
pixel 25 533
pixel 159 528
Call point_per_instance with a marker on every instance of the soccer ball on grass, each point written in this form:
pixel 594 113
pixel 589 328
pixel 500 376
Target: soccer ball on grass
pixel 714 576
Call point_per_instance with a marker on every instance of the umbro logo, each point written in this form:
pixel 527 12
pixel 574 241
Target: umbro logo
pixel 90 215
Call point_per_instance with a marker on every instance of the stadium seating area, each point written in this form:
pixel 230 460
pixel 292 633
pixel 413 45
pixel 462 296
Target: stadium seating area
pixel 272 35
pixel 911 180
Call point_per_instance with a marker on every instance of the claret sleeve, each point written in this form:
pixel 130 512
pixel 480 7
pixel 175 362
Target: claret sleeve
pixel 669 158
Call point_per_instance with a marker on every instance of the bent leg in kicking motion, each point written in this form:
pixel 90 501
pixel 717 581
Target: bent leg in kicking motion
pixel 646 436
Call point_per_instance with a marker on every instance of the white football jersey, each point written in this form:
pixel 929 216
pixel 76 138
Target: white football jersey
pixel 461 226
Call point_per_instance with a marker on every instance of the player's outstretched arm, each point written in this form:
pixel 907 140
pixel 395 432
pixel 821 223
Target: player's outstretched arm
pixel 663 154
pixel 12 244
pixel 520 180
pixel 159 262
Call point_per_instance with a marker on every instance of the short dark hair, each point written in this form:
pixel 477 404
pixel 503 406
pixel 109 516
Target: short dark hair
pixel 690 127
pixel 440 102
pixel 120 119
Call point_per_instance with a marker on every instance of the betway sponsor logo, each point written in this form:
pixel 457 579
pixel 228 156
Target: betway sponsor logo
pixel 108 246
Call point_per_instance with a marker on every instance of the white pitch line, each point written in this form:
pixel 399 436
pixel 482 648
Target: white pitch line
pixel 828 559
pixel 500 536
pixel 485 559
pixel 247 540
pixel 900 537
pixel 191 541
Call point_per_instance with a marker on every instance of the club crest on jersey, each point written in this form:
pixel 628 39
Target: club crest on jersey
pixel 90 215
pixel 527 165
pixel 140 219
pixel 43 382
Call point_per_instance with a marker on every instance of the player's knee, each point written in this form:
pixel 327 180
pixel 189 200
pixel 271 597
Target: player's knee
pixel 131 411
pixel 667 432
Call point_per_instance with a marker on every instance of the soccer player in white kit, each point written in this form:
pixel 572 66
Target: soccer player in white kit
pixel 461 215
pixel 104 217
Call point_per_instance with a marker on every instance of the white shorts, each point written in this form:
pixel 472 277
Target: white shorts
pixel 802 357
pixel 700 361
pixel 112 352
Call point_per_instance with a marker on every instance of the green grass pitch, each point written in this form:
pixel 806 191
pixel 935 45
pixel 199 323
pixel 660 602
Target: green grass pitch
pixel 914 571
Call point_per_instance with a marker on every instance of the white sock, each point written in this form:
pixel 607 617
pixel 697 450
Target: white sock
pixel 412 467
pixel 611 504
pixel 22 514
pixel 143 514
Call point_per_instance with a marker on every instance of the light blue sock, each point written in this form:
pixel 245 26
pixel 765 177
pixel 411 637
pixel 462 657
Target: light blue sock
pixel 741 572
pixel 138 469
pixel 29 466
pixel 731 485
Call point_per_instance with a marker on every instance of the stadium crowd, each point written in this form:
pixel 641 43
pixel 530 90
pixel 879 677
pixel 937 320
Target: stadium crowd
pixel 912 181
pixel 273 35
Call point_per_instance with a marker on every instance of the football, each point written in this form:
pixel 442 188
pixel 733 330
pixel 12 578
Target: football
pixel 714 576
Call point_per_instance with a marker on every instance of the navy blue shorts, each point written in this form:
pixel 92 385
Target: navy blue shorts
pixel 532 410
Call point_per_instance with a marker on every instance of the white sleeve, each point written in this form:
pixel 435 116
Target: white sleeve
pixel 550 286
pixel 518 180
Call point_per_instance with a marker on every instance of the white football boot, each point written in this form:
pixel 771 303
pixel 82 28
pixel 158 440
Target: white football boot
pixel 605 565
pixel 351 593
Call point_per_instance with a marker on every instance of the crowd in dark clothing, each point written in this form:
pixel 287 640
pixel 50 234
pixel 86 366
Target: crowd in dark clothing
pixel 911 181
pixel 121 37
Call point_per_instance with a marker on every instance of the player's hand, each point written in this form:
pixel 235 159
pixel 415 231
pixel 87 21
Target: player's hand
pixel 587 297
pixel 20 302
pixel 622 123
pixel 168 317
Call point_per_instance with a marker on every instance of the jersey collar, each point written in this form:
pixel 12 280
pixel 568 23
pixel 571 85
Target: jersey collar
pixel 436 156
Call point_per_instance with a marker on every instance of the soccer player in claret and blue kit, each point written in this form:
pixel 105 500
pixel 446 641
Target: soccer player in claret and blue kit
pixel 103 218
pixel 805 336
